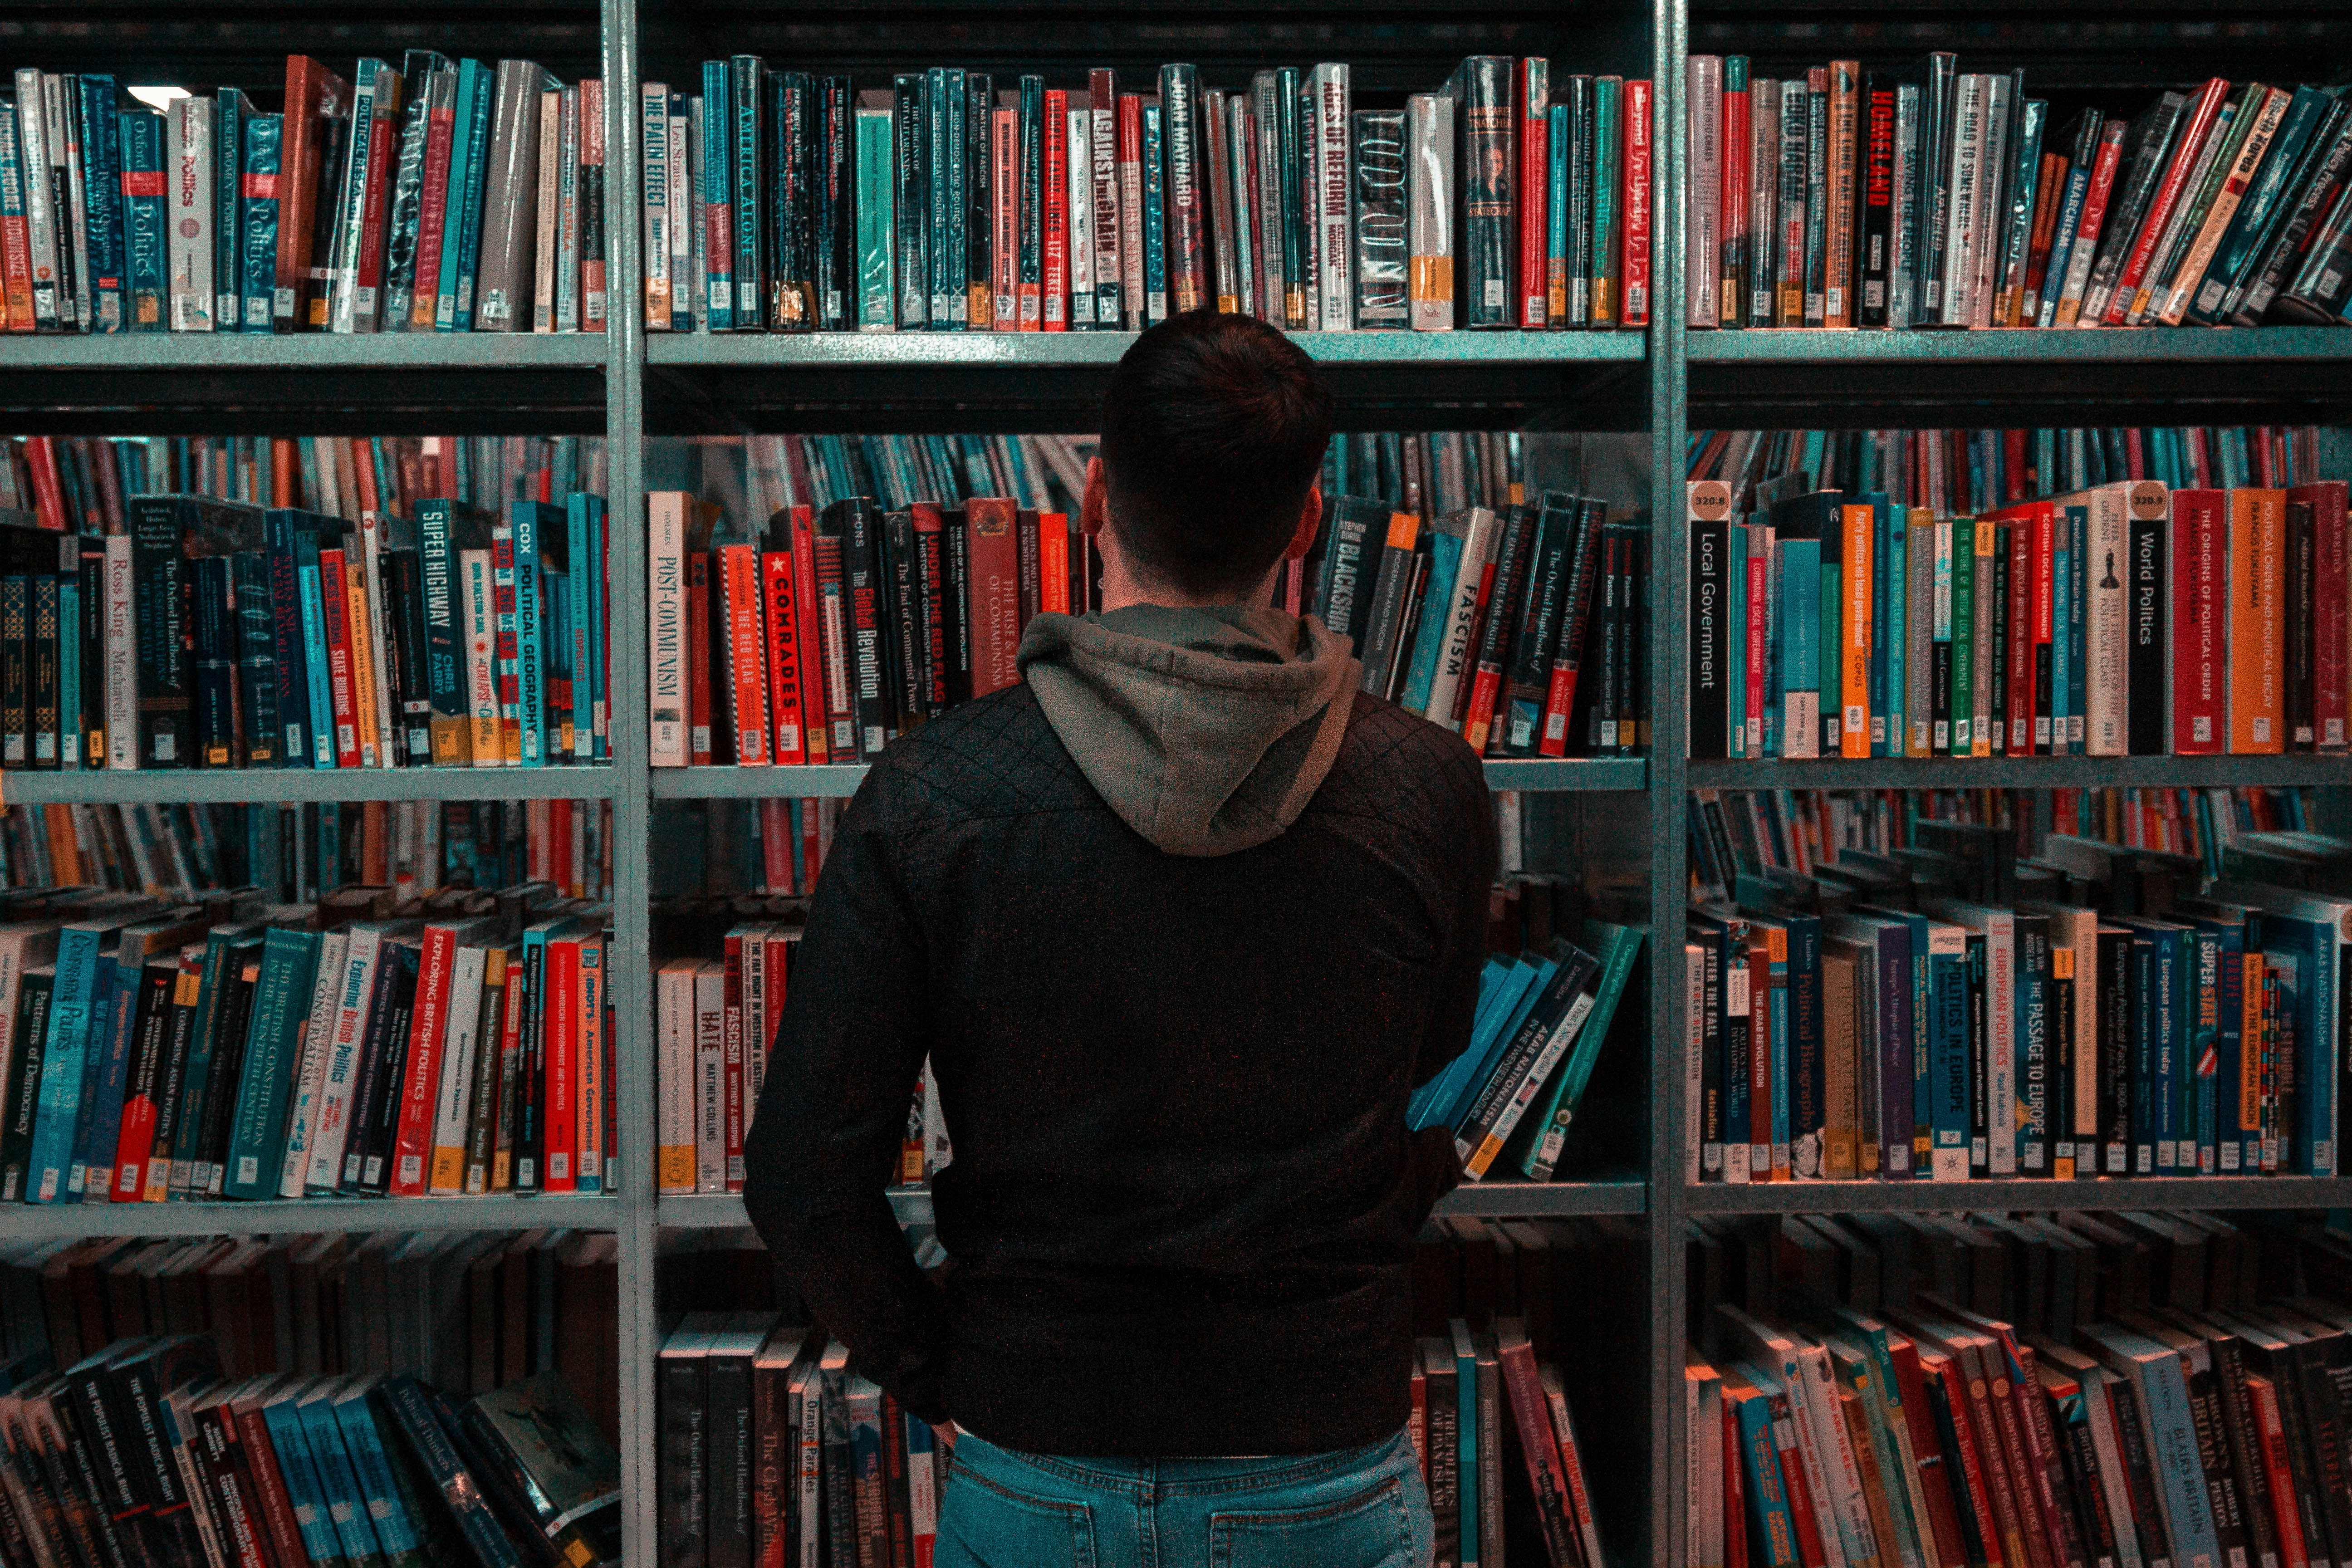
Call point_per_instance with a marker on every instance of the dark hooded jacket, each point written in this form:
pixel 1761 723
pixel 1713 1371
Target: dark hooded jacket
pixel 1180 922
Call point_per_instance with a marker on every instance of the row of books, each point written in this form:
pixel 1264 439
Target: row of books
pixel 779 201
pixel 1945 1011
pixel 2132 1387
pixel 154 1052
pixel 79 484
pixel 436 195
pixel 715 1021
pixel 1937 198
pixel 1964 473
pixel 2129 619
pixel 221 634
pixel 2225 829
pixel 146 1451
pixel 1543 1017
pixel 468 1311
pixel 784 847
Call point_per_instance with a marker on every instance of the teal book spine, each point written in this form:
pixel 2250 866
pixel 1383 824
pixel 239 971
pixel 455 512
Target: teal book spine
pixel 372 1466
pixel 338 1485
pixel 600 631
pixel 2062 592
pixel 138 299
pixel 104 1075
pixel 70 728
pixel 1155 221
pixel 716 211
pixel 577 581
pixel 313 1521
pixel 2142 993
pixel 314 648
pixel 202 1049
pixel 455 310
pixel 530 519
pixel 1768 1504
pixel 745 73
pixel 1607 148
pixel 1799 625
pixel 62 1057
pixel 1445 561
pixel 231 114
pixel 1556 236
pixel 105 215
pixel 257 221
pixel 1736 637
pixel 1465 1388
pixel 257 1151
pixel 878 241
pixel 2170 1023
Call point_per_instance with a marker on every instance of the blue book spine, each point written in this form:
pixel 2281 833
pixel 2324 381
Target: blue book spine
pixel 2172 1428
pixel 69 714
pixel 1768 1504
pixel 579 577
pixel 1879 622
pixel 102 1085
pixel 1155 224
pixel 1808 1059
pixel 292 1446
pixel 719 195
pixel 1444 561
pixel 455 310
pixel 2314 945
pixel 314 657
pixel 1895 637
pixel 395 1530
pixel 1777 1014
pixel 2035 1090
pixel 257 219
pixel 1465 1402
pixel 67 1047
pixel 339 1486
pixel 453 223
pixel 144 265
pixel 1488 1056
pixel 290 645
pixel 103 165
pixel 1948 1052
pixel 1556 210
pixel 530 674
pixel 2062 246
pixel 1803 580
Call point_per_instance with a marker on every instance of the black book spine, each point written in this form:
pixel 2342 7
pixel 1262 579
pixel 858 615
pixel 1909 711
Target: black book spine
pixel 840 1508
pixel 869 662
pixel 137 1401
pixel 367 1078
pixel 2145 672
pixel 405 612
pixel 1031 556
pixel 92 632
pixel 215 635
pixel 976 224
pixel 912 233
pixel 2294 1423
pixel 46 671
pixel 908 661
pixel 80 1486
pixel 257 659
pixel 682 1425
pixel 219 1109
pixel 2239 1430
pixel 747 74
pixel 1484 170
pixel 729 1435
pixel 2302 618
pixel 1030 275
pixel 1600 729
pixel 530 1119
pixel 2115 1014
pixel 24 1087
pixel 378 1114
pixel 1876 230
pixel 955 545
pixel 795 159
pixel 1637 663
pixel 158 592
pixel 1185 188
pixel 931 625
pixel 1710 688
pixel 16 673
pixel 2316 197
pixel 1526 678
pixel 836 213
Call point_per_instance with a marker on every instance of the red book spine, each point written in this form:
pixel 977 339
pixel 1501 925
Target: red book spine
pixel 1927 1453
pixel 2045 594
pixel 1969 1488
pixel 775 847
pixel 332 592
pixel 1534 93
pixel 1633 201
pixel 1054 563
pixel 1055 220
pixel 697 657
pixel 931 576
pixel 2270 1437
pixel 1735 1497
pixel 2331 674
pixel 810 669
pixel 413 1151
pixel 833 618
pixel 378 194
pixel 1005 207
pixel 1732 209
pixel 1568 658
pixel 783 654
pixel 16 271
pixel 2167 197
pixel 778 960
pixel 1799 1494
pixel 1137 313
pixel 2201 659
pixel 2012 467
pixel 993 621
pixel 432 217
pixel 747 682
pixel 2054 173
pixel 277 1502
pixel 813 840
pixel 558 1048
pixel 2019 698
pixel 732 1090
pixel 1532 1416
pixel 49 495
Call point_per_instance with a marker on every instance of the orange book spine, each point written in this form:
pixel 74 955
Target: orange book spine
pixel 747 681
pixel 2257 623
pixel 1853 627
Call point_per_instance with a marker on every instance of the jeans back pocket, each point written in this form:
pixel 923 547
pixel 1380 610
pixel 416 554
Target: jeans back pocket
pixel 1370 1530
pixel 985 1525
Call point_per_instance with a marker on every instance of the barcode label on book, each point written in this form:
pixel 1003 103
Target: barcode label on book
pixel 558 1167
pixel 1555 726
pixel 412 1167
pixel 1493 293
pixel 248 1169
pixel 789 737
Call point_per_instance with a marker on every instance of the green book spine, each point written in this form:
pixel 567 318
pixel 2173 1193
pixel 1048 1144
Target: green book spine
pixel 876 284
pixel 1155 221
pixel 257 1151
pixel 1608 149
pixel 201 1046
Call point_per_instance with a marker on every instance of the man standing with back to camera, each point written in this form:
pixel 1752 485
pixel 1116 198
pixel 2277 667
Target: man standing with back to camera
pixel 1180 921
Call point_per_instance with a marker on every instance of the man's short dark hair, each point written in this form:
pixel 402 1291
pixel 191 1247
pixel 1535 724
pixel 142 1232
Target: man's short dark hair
pixel 1212 431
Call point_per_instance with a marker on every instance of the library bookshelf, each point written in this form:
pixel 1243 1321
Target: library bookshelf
pixel 633 387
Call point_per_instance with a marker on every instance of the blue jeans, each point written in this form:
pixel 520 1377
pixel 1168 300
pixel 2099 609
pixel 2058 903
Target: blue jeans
pixel 1358 1508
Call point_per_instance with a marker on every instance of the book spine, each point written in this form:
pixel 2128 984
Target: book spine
pixel 1136 221
pixel 1635 203
pixel 1037 176
pixel 1109 231
pixel 1485 166
pixel 1532 96
pixel 191 152
pixel 1703 215
pixel 1429 210
pixel 1845 108
pixel 1056 210
pixel 1877 260
pixel 1380 219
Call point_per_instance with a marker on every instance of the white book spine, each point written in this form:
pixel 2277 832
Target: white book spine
pixel 1967 171
pixel 335 1125
pixel 1694 1052
pixel 674 1033
pixel 310 1062
pixel 1764 190
pixel 548 217
pixel 1703 204
pixel 2099 1414
pixel 1129 186
pixel 188 157
pixel 1103 160
pixel 666 633
pixel 1812 1459
pixel 1838 1459
pixel 1454 654
pixel 1737 1153
pixel 1986 222
pixel 65 162
pixel 686 262
pixel 351 208
pixel 1429 209
pixel 1079 138
pixel 378 686
pixel 1334 188
pixel 711 1079
pixel 40 215
pixel 653 104
pixel 812 1467
pixel 2106 663
pixel 461 1038
pixel 121 658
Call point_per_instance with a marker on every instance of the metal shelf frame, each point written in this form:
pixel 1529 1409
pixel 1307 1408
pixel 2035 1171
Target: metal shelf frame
pixel 630 386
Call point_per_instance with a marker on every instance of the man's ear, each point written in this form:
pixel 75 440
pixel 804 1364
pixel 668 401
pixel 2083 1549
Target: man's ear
pixel 1310 518
pixel 1093 506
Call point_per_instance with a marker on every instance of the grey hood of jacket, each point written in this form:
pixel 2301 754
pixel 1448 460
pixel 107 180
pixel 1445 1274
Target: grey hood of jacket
pixel 1207 729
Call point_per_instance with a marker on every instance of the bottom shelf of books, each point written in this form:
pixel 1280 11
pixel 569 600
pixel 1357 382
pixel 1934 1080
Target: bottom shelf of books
pixel 1516 1369
pixel 437 1397
pixel 2032 1387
